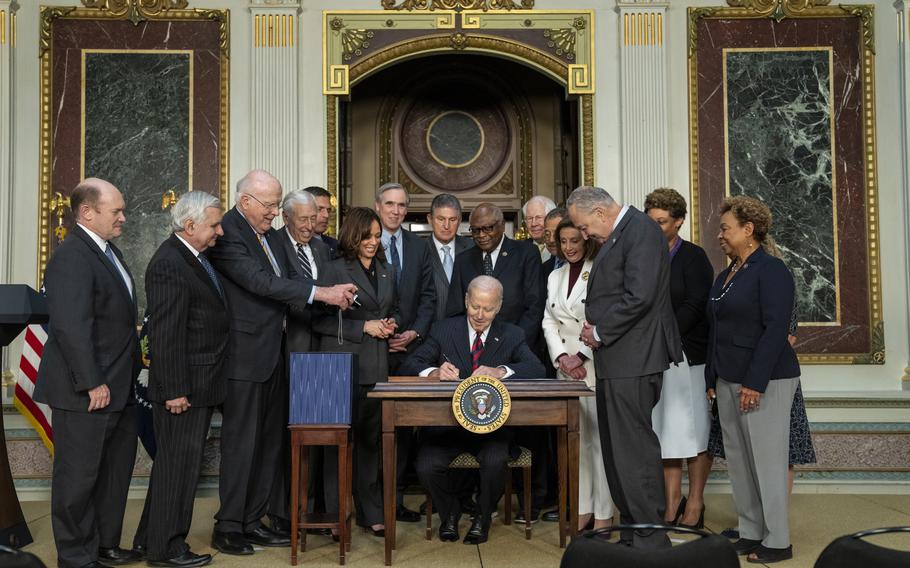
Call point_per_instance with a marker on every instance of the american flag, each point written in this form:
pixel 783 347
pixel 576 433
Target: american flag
pixel 39 415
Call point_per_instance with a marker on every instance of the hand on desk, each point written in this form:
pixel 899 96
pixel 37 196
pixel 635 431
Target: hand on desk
pixel 497 372
pixel 446 372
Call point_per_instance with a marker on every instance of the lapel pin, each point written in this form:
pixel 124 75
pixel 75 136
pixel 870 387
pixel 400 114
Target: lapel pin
pixel 495 339
pixel 585 275
pixel 505 253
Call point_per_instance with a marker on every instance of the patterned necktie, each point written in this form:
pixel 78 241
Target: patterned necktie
pixel 268 255
pixel 210 270
pixel 109 253
pixel 304 262
pixel 447 262
pixel 487 264
pixel 396 259
pixel 476 352
pixel 557 263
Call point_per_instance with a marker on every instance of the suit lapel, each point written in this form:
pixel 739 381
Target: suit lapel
pixel 384 283
pixel 195 265
pixel 504 260
pixel 90 243
pixel 438 269
pixel 492 344
pixel 248 234
pixel 615 235
pixel 580 285
pixel 462 349
pixel 355 271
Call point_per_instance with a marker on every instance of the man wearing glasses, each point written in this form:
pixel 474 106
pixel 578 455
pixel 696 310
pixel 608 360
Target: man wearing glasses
pixel 516 264
pixel 260 284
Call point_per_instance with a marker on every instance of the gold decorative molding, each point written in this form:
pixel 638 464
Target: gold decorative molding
pixel 409 184
pixel 484 5
pixel 273 30
pixel 459 41
pixel 136 10
pixel 587 137
pixel 563 41
pixel 48 15
pixel 331 155
pixel 642 28
pixel 354 41
pixel 778 9
pixel 58 207
pixel 505 185
pixel 2 27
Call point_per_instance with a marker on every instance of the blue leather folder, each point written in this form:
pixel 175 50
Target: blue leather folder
pixel 322 387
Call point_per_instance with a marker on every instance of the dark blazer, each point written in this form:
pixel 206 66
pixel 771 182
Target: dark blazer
pixel 372 353
pixel 92 337
pixel 691 274
pixel 415 288
pixel 330 243
pixel 188 328
pixel 300 334
pixel 257 299
pixel 629 301
pixel 749 323
pixel 505 345
pixel 517 268
pixel 440 282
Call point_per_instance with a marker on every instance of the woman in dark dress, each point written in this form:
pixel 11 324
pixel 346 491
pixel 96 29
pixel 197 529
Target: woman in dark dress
pixel 363 330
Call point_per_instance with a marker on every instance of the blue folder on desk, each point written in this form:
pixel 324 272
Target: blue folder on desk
pixel 322 387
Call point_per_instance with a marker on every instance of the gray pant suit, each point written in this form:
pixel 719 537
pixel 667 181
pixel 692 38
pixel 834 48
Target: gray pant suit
pixel 756 444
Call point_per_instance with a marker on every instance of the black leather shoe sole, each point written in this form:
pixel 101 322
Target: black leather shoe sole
pixel 475 539
pixel 238 547
pixel 551 516
pixel 186 560
pixel 744 546
pixel 271 541
pixel 118 556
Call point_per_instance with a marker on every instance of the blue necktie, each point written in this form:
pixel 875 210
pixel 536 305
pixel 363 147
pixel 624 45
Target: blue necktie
pixel 559 262
pixel 447 262
pixel 210 270
pixel 109 253
pixel 396 259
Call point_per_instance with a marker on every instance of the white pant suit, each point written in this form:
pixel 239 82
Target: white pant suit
pixel 562 323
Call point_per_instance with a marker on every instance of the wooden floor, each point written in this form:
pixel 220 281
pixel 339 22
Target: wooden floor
pixel 815 521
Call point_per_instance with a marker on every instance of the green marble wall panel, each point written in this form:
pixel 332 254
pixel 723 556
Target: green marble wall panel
pixel 137 134
pixel 779 137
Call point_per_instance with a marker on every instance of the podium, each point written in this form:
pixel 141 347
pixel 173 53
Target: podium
pixel 20 305
pixel 322 395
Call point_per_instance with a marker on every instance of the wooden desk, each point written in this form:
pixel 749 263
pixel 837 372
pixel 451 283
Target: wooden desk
pixel 545 402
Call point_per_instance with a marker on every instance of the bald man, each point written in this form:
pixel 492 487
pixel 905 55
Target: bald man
pixel 90 361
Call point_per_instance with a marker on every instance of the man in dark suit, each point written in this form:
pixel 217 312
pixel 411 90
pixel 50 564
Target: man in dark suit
pixel 324 211
pixel 457 348
pixel 516 264
pixel 86 375
pixel 259 283
pixel 188 332
pixel 445 244
pixel 409 259
pixel 310 257
pixel 632 330
pixel 535 214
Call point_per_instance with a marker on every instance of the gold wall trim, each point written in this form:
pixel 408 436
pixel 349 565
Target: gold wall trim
pixel 136 10
pixel 484 5
pixel 47 18
pixel 2 27
pixel 778 10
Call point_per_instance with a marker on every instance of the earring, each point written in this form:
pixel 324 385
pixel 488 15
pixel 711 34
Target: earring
pixel 750 244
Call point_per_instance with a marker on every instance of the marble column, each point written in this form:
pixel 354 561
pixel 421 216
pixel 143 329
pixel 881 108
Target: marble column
pixel 643 99
pixel 7 45
pixel 274 94
pixel 903 29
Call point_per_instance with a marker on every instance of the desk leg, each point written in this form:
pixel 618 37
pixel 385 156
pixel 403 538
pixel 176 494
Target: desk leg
pixel 573 483
pixel 295 476
pixel 388 476
pixel 563 463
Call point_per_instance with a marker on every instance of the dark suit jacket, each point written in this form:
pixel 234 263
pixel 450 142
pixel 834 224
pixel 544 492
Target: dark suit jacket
pixel 92 337
pixel 747 343
pixel 505 345
pixel 300 334
pixel 188 328
pixel 415 289
pixel 518 269
pixel 440 282
pixel 372 353
pixel 330 243
pixel 257 299
pixel 691 274
pixel 629 301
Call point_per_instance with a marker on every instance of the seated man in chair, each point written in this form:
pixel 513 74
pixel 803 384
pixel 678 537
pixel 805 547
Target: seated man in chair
pixel 456 349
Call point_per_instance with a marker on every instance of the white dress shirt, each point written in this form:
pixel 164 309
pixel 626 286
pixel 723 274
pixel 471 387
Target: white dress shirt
pixel 472 335
pixel 439 244
pixel 103 244
pixel 494 254
pixel 308 251
pixel 387 244
pixel 188 245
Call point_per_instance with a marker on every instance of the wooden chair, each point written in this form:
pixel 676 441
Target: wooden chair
pixel 468 461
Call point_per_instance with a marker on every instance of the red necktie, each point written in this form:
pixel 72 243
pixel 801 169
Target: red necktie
pixel 476 352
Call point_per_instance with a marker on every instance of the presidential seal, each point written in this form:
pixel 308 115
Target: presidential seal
pixel 481 404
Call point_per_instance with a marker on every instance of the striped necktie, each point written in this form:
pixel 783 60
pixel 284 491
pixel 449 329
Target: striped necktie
pixel 210 270
pixel 476 352
pixel 304 262
pixel 268 255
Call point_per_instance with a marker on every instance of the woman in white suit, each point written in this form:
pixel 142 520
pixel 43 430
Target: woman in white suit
pixel 562 321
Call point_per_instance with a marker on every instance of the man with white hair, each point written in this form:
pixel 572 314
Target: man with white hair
pixel 260 285
pixel 188 332
pixel 632 330
pixel 457 348
pixel 535 215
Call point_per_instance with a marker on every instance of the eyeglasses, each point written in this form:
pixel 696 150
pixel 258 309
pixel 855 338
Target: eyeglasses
pixel 489 229
pixel 275 206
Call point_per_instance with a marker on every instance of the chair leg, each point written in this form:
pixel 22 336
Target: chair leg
pixel 507 516
pixel 429 517
pixel 527 482
pixel 343 466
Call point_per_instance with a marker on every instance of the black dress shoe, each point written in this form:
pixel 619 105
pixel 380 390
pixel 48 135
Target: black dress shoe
pixel 264 536
pixel 744 546
pixel 281 527
pixel 551 516
pixel 448 531
pixel 141 549
pixel 479 531
pixel 96 565
pixel 520 517
pixel 185 560
pixel 406 515
pixel 231 543
pixel 117 556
